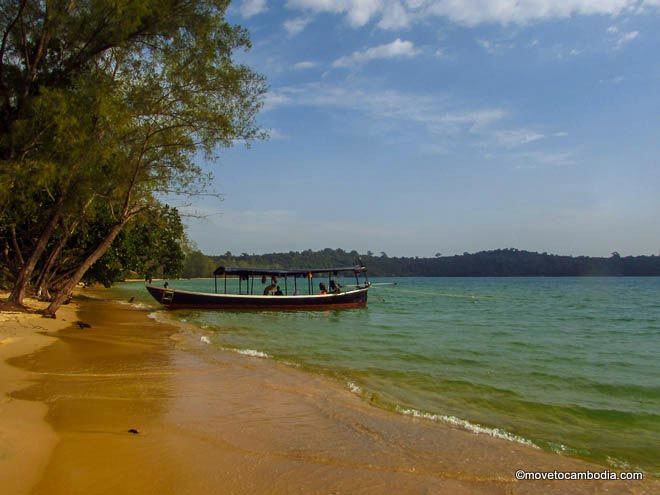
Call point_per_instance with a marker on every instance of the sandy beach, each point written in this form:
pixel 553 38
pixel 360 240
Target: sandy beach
pixel 26 439
pixel 210 421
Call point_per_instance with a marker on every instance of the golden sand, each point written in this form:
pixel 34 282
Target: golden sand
pixel 210 421
pixel 26 439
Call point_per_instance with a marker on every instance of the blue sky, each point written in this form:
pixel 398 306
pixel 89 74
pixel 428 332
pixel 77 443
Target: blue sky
pixel 423 126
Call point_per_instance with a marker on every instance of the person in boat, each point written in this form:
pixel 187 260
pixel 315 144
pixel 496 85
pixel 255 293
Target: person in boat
pixel 322 288
pixel 335 288
pixel 279 292
pixel 166 285
pixel 270 289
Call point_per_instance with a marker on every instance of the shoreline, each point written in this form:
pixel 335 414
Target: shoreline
pixel 26 439
pixel 244 424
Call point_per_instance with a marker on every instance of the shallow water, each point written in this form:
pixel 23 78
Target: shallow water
pixel 568 364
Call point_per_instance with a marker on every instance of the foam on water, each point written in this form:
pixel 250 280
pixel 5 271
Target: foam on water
pixel 204 339
pixel 136 305
pixel 248 352
pixel 354 388
pixel 466 425
pixel 290 363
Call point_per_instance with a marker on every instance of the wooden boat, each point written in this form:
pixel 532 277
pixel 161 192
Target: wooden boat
pixel 289 297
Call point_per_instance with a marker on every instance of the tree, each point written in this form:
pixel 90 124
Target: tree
pixel 158 84
pixel 151 246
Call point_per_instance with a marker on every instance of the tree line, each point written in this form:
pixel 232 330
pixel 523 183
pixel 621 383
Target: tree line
pixel 496 263
pixel 104 107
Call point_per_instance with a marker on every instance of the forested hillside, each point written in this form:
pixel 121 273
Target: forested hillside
pixel 497 263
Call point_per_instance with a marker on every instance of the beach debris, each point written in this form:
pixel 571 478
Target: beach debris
pixel 134 431
pixel 131 299
pixel 82 324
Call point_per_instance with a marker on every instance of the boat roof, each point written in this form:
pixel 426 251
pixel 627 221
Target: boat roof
pixel 291 272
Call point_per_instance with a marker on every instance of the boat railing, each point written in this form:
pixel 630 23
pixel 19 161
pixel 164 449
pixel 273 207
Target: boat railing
pixel 293 280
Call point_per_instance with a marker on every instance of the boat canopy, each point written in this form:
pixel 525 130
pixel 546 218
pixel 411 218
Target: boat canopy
pixel 294 272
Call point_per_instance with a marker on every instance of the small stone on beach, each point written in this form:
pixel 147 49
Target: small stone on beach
pixel 82 324
pixel 133 431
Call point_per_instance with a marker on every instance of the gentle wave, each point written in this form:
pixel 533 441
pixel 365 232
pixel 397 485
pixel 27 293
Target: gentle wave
pixel 466 425
pixel 248 352
pixel 353 387
pixel 621 464
pixel 136 305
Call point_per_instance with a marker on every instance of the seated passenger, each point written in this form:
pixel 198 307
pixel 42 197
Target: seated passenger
pixel 335 288
pixel 279 292
pixel 322 288
pixel 269 289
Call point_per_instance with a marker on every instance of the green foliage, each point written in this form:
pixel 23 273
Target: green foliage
pixel 198 265
pixel 151 246
pixel 104 106
pixel 497 263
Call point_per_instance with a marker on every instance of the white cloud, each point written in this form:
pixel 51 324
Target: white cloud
pixel 626 38
pixel 358 12
pixel 473 12
pixel 494 47
pixel 536 159
pixel 395 49
pixel 296 25
pixel 612 80
pixel 304 65
pixel 394 14
pixel 251 8
pixel 438 115
pixel 511 138
pixel 273 100
pixel 438 121
pixel 621 38
pixel 275 134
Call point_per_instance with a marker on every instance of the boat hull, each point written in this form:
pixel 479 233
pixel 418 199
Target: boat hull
pixel 180 299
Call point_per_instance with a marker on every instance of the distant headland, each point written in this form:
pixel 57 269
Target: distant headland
pixel 509 262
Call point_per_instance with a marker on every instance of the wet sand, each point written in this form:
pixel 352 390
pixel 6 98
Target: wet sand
pixel 26 439
pixel 211 421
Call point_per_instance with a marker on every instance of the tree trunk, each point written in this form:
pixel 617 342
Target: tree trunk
pixel 23 278
pixel 46 275
pixel 68 287
pixel 17 249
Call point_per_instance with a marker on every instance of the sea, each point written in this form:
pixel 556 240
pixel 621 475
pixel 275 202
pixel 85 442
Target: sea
pixel 570 365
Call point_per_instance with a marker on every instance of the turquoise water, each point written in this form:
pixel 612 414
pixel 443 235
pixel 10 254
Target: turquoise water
pixel 569 364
